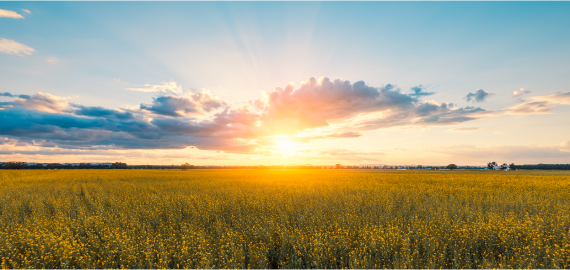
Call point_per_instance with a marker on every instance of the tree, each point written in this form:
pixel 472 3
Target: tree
pixel 119 165
pixel 451 167
pixel 513 167
pixel 185 166
pixel 504 166
pixel 491 165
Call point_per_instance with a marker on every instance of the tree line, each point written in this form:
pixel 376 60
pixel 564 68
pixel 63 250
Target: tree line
pixel 12 165
pixel 119 165
pixel 543 167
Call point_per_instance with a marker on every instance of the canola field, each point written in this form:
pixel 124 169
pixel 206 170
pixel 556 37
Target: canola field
pixel 284 219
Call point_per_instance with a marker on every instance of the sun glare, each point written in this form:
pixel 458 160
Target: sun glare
pixel 286 146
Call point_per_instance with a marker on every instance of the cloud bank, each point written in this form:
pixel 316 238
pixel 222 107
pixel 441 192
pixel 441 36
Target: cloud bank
pixel 318 109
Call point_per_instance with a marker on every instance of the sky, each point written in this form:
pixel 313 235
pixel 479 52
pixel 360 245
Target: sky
pixel 269 83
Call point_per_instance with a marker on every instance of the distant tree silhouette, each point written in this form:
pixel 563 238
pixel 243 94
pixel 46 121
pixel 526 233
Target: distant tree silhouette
pixel 451 167
pixel 119 165
pixel 185 166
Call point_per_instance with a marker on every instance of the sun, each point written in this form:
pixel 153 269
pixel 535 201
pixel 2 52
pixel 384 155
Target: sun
pixel 286 146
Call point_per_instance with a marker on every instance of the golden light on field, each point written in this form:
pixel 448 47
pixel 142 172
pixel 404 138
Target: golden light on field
pixel 283 219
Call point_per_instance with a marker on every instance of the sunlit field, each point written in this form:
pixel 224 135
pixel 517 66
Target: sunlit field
pixel 284 219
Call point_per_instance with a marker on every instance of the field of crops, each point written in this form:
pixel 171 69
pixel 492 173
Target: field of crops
pixel 284 219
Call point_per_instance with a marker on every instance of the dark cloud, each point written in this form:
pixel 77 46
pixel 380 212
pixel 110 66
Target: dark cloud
pixel 102 112
pixel 479 96
pixel 418 91
pixel 446 116
pixel 191 104
pixel 429 113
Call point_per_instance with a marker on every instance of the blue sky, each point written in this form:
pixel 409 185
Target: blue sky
pixel 93 53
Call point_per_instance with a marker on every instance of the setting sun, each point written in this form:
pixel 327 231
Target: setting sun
pixel 286 147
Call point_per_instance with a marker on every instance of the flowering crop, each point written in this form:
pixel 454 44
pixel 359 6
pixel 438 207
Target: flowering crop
pixel 284 219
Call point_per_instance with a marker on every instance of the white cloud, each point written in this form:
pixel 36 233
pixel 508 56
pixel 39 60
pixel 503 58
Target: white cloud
pixel 558 98
pixel 521 92
pixel 27 11
pixel 10 14
pixel 539 105
pixel 12 47
pixel 52 60
pixel 536 107
pixel 165 87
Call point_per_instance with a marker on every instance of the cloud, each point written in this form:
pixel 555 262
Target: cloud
pixel 318 103
pixel 521 92
pixel 165 88
pixel 558 98
pixel 190 104
pixel 10 14
pixel 12 47
pixel 479 96
pixel 539 105
pixel 466 129
pixel 39 101
pixel 318 109
pixel 52 60
pixel 536 107
pixel 428 113
pixel 27 11
pixel 102 112
pixel 418 91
